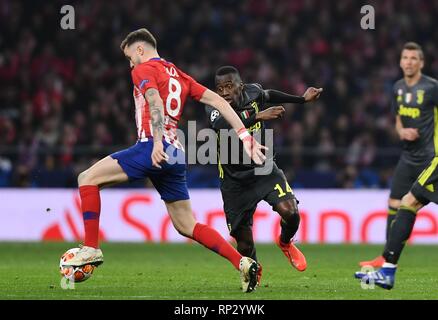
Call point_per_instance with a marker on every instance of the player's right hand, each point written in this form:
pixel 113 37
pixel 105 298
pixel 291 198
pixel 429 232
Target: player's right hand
pixel 254 150
pixel 409 134
pixel 158 155
pixel 312 94
pixel 271 113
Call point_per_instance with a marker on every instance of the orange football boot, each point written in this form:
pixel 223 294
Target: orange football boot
pixel 295 256
pixel 375 263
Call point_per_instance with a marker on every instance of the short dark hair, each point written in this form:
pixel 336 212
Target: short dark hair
pixel 139 35
pixel 414 46
pixel 224 70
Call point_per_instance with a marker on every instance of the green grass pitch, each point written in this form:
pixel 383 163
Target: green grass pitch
pixel 184 271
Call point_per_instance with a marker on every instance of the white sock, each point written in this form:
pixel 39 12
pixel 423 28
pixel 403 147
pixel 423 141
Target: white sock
pixel 389 265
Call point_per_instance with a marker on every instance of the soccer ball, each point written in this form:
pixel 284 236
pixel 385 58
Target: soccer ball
pixel 75 274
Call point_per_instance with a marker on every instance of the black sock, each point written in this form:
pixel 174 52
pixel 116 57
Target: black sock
pixel 253 254
pixel 245 242
pixel 289 228
pixel 399 233
pixel 389 219
pixel 246 250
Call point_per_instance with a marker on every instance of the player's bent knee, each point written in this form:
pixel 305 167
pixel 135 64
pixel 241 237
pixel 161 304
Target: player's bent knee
pixel 409 200
pixel 86 178
pixel 288 210
pixel 394 203
pixel 82 178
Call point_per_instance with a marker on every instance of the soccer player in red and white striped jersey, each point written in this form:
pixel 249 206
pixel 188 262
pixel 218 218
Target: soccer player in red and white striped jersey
pixel 160 91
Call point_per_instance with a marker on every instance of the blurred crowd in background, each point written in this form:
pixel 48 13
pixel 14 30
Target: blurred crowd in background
pixel 66 95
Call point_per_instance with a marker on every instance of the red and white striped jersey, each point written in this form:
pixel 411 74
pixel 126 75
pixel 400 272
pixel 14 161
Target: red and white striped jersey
pixel 173 85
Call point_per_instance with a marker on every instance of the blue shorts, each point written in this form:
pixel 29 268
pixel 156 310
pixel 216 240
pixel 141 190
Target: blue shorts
pixel 170 180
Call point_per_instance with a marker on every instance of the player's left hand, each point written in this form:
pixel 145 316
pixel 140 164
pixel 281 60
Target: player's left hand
pixel 271 113
pixel 312 94
pixel 158 155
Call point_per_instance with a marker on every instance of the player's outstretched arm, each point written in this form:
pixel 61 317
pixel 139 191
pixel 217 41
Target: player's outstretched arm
pixel 252 147
pixel 156 109
pixel 275 96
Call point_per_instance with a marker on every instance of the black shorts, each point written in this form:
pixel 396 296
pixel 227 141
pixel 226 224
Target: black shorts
pixel 425 188
pixel 405 174
pixel 241 198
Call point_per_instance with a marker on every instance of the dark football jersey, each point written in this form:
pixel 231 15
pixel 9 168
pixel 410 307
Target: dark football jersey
pixel 417 108
pixel 253 101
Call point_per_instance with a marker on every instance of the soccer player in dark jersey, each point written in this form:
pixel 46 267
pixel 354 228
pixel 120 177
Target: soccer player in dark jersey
pixel 160 92
pixel 242 189
pixel 417 99
pixel 414 103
